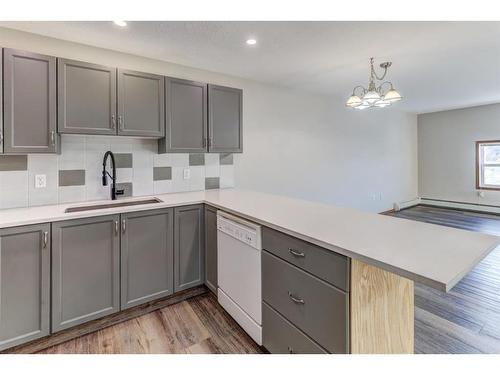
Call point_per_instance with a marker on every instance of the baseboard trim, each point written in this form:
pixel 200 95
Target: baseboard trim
pixel 95 325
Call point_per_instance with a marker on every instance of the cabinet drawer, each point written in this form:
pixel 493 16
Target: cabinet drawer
pixel 315 307
pixel 281 337
pixel 325 264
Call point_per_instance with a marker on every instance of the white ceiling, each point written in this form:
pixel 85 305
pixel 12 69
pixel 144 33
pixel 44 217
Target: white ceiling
pixel 436 65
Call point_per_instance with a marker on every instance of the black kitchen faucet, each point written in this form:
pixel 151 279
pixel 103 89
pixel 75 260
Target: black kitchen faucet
pixel 105 175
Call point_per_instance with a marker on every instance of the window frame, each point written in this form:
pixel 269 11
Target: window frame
pixel 480 166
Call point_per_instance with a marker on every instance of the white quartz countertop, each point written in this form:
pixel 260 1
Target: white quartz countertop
pixel 435 255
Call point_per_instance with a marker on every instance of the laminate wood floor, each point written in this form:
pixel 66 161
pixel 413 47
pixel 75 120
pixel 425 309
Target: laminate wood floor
pixel 466 319
pixel 197 325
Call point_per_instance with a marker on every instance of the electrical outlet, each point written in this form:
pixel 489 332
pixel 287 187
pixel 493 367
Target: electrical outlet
pixel 187 173
pixel 40 181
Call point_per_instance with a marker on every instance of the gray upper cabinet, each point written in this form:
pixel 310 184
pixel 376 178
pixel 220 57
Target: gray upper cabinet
pixel 29 93
pixel 188 247
pixel 86 98
pixel 85 270
pixel 146 256
pixel 225 109
pixel 141 101
pixel 24 284
pixel 211 248
pixel 186 117
pixel 1 103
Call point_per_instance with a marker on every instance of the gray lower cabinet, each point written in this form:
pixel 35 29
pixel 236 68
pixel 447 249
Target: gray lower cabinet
pixel 189 267
pixel 186 117
pixel 141 101
pixel 29 93
pixel 317 308
pixel 146 256
pixel 85 270
pixel 211 248
pixel 282 337
pixel 225 119
pixel 86 98
pixel 24 284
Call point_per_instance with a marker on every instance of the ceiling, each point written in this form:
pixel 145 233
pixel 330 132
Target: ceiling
pixel 436 65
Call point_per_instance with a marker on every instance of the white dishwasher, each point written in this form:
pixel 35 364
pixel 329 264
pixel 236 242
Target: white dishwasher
pixel 239 248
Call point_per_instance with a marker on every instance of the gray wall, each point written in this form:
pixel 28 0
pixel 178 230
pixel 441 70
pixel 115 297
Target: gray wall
pixel 446 152
pixel 295 143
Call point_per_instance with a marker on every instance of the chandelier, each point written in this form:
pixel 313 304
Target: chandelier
pixel 374 96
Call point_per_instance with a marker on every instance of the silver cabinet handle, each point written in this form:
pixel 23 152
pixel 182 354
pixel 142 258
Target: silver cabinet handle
pixel 210 144
pixel 296 253
pixel 120 121
pixel 300 301
pixel 124 226
pixel 45 239
pixel 116 227
pixel 113 121
pixel 1 136
pixel 53 137
pixel 204 142
pixel 290 350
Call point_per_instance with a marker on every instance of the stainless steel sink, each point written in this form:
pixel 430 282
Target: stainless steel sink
pixel 102 206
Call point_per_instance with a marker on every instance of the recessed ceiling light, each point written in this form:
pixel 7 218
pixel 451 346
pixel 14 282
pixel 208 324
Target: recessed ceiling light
pixel 120 23
pixel 251 41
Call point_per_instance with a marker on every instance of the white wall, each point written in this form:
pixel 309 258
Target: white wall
pixel 297 144
pixel 446 149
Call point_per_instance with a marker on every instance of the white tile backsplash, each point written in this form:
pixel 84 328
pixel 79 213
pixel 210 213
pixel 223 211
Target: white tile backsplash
pixel 163 186
pixel 212 170
pixel 197 180
pixel 69 194
pixel 42 164
pixel 72 152
pixel 14 189
pixel 179 160
pixel 17 188
pixel 226 176
pixel 178 182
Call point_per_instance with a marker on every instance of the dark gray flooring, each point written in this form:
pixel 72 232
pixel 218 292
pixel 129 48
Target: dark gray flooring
pixel 466 319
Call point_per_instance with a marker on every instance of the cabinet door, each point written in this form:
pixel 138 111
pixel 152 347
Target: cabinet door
pixel 85 270
pixel 189 262
pixel 147 256
pixel 186 121
pixel 1 103
pixel 24 284
pixel 29 102
pixel 86 98
pixel 211 248
pixel 225 109
pixel 141 100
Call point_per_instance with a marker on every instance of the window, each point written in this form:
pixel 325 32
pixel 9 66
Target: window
pixel 488 165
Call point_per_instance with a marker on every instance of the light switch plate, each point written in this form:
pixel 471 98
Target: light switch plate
pixel 187 174
pixel 40 181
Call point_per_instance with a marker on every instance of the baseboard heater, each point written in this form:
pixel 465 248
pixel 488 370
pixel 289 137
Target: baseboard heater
pixel 461 205
pixel 398 206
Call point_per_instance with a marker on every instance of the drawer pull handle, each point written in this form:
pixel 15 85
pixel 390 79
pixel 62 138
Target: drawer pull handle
pixel 116 227
pixel 296 253
pixel 300 301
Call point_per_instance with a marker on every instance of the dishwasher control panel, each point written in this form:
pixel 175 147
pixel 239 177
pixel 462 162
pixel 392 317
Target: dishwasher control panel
pixel 246 232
